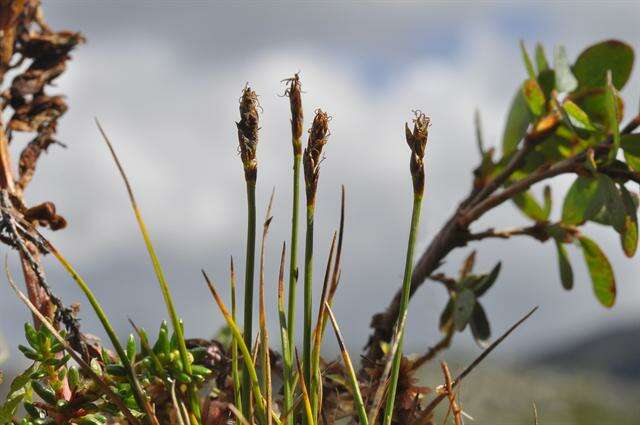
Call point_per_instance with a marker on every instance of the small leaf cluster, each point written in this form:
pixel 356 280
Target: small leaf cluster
pixel 464 307
pixel 51 390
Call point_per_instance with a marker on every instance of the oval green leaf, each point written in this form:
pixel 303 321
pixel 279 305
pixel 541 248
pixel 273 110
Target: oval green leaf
pixel 463 308
pixel 565 80
pixel 629 234
pixel 534 96
pixel 517 123
pixel 602 278
pixel 583 201
pixel 480 328
pixel 593 63
pixel 564 266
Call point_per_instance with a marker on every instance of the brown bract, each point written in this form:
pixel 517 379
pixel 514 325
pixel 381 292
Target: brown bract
pixel 318 136
pixel 417 141
pixel 248 128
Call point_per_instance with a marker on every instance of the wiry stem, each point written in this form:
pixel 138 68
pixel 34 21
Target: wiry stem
pixel 248 141
pixel 417 141
pixel 295 101
pixel 248 288
pixel 312 157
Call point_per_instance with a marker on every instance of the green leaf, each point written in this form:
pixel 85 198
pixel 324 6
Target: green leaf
pixel 487 281
pixel 529 206
pixel 518 121
pixel 541 58
pixel 527 61
pixel 630 144
pixel 629 234
pixel 547 81
pixel 593 63
pixel 612 201
pixel 131 348
pixel 480 328
pixel 604 284
pixel 564 266
pixel 565 80
pixel 583 201
pixel 577 116
pixel 612 117
pixel 17 392
pixel 445 317
pixel 463 308
pixel 534 96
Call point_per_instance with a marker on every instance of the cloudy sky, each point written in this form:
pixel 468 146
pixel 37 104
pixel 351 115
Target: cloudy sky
pixel 165 78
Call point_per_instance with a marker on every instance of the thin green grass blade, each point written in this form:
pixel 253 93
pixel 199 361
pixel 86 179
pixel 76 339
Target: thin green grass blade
pixel 264 332
pixel 246 354
pixel 194 403
pixel 353 379
pixel 235 372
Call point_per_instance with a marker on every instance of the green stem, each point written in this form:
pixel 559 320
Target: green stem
pixel 293 280
pixel 248 290
pixel 308 295
pixel 404 304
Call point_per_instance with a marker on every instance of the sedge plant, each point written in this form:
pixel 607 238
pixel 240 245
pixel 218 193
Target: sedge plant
pixel 565 119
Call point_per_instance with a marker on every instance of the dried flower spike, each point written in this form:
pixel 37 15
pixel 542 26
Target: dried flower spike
pixel 318 135
pixel 417 141
pixel 248 132
pixel 295 100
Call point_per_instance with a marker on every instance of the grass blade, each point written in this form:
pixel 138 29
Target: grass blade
pixel 246 354
pixel 111 333
pixel 305 394
pixel 316 380
pixel 287 396
pixel 194 403
pixel 353 379
pixel 264 332
pixel 235 373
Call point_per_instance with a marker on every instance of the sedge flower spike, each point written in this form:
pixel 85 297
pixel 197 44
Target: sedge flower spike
pixel 318 136
pixel 417 141
pixel 248 127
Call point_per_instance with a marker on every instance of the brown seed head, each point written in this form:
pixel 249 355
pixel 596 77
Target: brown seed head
pixel 417 141
pixel 248 132
pixel 318 135
pixel 295 100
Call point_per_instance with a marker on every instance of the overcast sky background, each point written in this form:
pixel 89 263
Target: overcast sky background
pixel 165 78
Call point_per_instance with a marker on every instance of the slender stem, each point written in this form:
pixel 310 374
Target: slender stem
pixel 308 295
pixel 248 290
pixel 404 304
pixel 293 281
